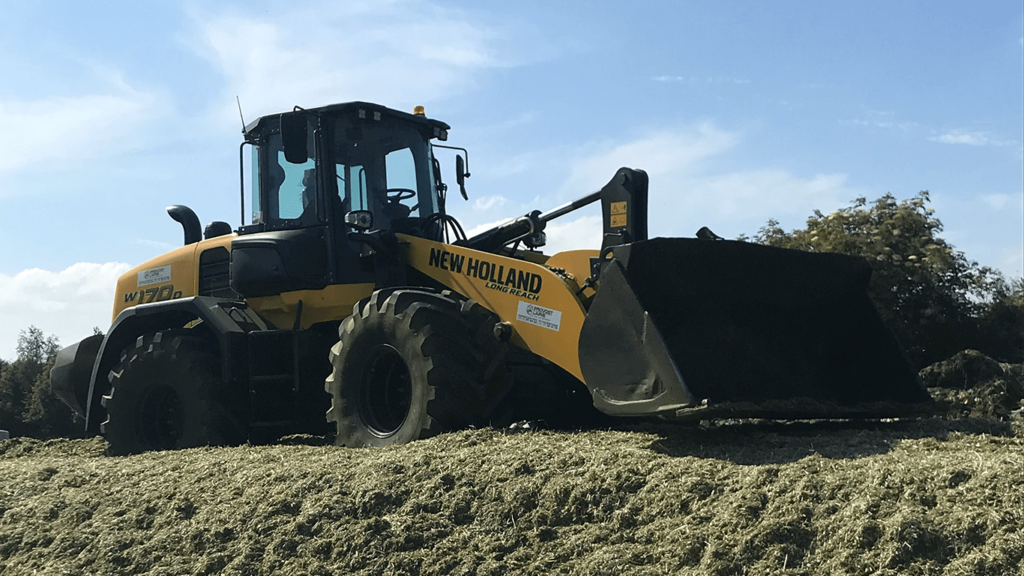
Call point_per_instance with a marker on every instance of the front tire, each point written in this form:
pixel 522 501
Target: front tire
pixel 410 364
pixel 166 394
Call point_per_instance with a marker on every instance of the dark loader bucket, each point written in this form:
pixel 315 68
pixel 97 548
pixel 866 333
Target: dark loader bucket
pixel 697 329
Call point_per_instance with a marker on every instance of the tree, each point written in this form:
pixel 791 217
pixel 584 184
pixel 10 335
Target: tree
pixel 45 414
pixel 16 379
pixel 1001 325
pixel 4 400
pixel 930 294
pixel 35 347
pixel 21 385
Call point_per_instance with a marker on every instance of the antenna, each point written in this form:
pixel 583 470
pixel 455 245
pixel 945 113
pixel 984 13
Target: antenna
pixel 237 99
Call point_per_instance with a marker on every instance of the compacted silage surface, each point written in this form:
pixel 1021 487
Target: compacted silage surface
pixel 920 497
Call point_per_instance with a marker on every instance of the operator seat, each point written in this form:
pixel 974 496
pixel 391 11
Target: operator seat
pixel 394 210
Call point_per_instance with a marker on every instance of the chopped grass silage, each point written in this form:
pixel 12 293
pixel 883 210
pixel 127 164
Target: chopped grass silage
pixel 920 497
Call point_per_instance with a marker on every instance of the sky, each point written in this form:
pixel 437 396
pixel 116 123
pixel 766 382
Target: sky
pixel 738 111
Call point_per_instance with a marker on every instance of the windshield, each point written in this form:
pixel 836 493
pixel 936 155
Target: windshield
pixel 385 168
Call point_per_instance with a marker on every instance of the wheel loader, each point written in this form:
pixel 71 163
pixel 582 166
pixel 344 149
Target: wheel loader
pixel 351 290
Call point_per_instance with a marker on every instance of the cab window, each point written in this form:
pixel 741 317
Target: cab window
pixel 290 189
pixel 400 174
pixel 352 186
pixel 385 168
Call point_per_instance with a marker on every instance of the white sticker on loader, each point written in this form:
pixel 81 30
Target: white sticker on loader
pixel 155 276
pixel 539 316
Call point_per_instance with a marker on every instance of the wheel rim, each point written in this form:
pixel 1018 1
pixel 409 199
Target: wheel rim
pixel 385 391
pixel 159 421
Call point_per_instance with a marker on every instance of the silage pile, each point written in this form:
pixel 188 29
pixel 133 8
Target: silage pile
pixel 936 496
pixel 971 384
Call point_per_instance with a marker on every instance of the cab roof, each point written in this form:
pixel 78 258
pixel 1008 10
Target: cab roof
pixel 371 112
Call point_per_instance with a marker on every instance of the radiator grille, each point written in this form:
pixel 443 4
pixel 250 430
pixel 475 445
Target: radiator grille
pixel 214 273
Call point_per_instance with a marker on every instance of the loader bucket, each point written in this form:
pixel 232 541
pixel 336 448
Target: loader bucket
pixel 687 328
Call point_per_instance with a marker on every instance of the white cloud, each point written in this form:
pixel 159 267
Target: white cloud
pixel 969 138
pixel 659 153
pixel 742 202
pixel 162 246
pixel 582 233
pixel 694 80
pixel 521 119
pixel 688 188
pixel 885 119
pixel 66 304
pixel 685 194
pixel 562 234
pixel 478 228
pixel 395 53
pixel 488 202
pixel 881 124
pixel 1002 201
pixel 1012 262
pixel 71 128
pixel 520 163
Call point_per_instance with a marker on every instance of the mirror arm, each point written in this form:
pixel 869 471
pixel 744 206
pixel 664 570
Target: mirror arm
pixel 463 150
pixel 371 239
pixel 460 176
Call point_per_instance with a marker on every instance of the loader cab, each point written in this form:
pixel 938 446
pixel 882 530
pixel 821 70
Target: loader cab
pixel 310 167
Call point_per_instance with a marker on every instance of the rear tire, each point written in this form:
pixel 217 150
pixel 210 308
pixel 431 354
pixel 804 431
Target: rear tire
pixel 166 394
pixel 411 363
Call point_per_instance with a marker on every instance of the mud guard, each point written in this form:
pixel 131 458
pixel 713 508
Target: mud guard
pixel 229 320
pixel 69 377
pixel 687 326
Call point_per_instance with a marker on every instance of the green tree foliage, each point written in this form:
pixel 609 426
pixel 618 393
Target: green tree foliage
pixel 45 414
pixel 1001 327
pixel 35 347
pixel 27 407
pixel 936 300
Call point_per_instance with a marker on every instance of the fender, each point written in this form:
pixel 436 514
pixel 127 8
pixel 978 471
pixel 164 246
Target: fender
pixel 69 377
pixel 228 320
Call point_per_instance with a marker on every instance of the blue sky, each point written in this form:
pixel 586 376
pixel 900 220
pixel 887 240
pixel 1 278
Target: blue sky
pixel 739 111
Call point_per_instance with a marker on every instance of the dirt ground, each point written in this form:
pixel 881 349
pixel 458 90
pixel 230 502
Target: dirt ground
pixel 943 495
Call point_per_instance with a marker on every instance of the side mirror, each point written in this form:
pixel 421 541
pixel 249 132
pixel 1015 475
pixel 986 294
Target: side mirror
pixel 359 219
pixel 461 175
pixel 293 138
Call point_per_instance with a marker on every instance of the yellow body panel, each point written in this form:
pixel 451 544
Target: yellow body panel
pixel 166 277
pixel 540 304
pixel 175 275
pixel 331 303
pixel 542 308
pixel 576 263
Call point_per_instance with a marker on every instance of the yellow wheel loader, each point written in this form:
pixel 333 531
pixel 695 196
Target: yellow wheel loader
pixel 351 277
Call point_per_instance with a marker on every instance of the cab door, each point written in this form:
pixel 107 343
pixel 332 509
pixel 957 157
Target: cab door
pixel 286 247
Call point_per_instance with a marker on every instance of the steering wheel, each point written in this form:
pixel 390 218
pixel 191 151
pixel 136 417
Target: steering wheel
pixel 399 194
